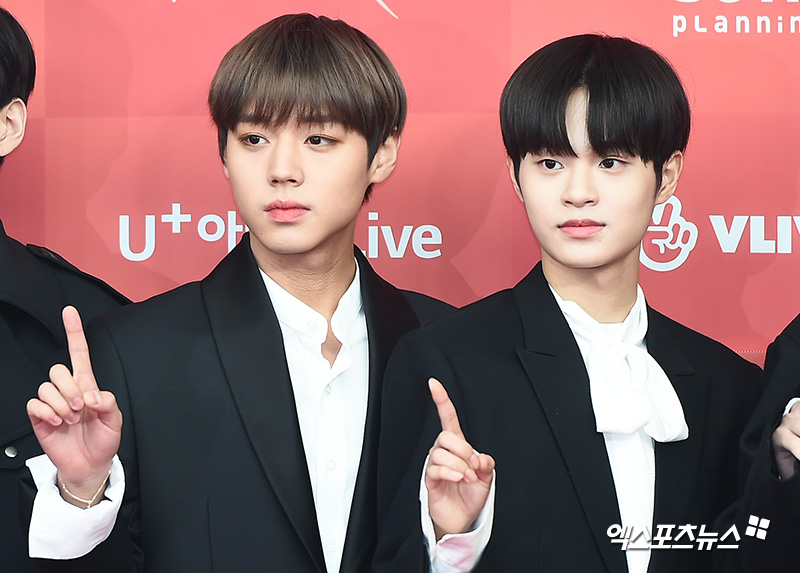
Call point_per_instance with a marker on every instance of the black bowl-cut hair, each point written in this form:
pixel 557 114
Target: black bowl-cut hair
pixel 636 102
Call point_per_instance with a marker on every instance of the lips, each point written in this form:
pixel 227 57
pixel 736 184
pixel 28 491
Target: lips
pixel 581 228
pixel 285 211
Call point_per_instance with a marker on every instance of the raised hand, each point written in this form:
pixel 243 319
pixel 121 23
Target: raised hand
pixel 786 443
pixel 77 425
pixel 457 478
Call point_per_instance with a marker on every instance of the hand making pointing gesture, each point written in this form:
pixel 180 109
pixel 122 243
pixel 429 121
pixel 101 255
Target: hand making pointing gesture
pixel 77 424
pixel 458 478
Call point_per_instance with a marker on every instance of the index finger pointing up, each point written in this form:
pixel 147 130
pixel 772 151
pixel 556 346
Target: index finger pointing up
pixel 78 350
pixel 447 412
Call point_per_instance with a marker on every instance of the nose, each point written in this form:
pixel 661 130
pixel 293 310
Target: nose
pixel 580 188
pixel 285 165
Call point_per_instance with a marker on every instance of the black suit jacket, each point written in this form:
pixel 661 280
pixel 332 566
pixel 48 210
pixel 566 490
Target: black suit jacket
pixel 35 284
pixel 766 496
pixel 517 379
pixel 215 469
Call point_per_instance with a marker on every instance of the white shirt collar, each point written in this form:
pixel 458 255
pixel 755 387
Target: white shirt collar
pixel 629 389
pixel 300 317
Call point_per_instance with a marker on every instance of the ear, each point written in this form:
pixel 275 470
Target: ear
pixel 13 118
pixel 513 174
pixel 224 156
pixel 670 174
pixel 385 159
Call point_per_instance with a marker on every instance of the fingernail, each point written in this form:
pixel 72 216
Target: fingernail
pixel 77 403
pixel 457 475
pixel 93 398
pixel 473 461
pixel 470 475
pixel 56 421
pixel 74 419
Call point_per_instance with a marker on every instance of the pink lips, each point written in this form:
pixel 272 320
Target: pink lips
pixel 581 228
pixel 285 211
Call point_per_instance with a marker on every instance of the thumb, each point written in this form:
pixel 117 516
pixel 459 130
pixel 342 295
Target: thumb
pixel 104 404
pixel 485 469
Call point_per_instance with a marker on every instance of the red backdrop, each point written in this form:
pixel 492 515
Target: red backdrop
pixel 119 137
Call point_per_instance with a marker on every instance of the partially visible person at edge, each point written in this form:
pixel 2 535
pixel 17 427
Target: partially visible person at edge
pixel 771 505
pixel 35 284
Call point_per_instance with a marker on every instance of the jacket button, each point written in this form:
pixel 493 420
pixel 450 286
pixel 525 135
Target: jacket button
pixel 11 452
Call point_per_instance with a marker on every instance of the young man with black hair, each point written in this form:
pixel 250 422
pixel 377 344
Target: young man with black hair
pixel 35 284
pixel 249 402
pixel 596 409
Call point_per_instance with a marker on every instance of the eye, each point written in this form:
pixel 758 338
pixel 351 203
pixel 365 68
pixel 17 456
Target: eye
pixel 319 140
pixel 253 139
pixel 550 164
pixel 610 163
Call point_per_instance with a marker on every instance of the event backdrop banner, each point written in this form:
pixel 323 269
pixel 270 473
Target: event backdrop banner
pixel 120 171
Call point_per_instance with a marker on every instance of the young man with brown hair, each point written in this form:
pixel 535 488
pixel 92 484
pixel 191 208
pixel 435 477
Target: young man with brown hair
pixel 249 402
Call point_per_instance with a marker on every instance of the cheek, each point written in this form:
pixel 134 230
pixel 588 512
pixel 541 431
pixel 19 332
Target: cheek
pixel 351 185
pixel 536 218
pixel 240 191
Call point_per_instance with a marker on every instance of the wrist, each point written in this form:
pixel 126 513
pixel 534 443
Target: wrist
pixel 451 527
pixel 85 494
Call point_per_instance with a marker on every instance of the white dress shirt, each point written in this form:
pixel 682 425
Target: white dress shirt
pixel 627 381
pixel 331 402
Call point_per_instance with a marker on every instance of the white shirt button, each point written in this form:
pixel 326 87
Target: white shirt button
pixel 11 452
pixel 328 389
pixel 331 465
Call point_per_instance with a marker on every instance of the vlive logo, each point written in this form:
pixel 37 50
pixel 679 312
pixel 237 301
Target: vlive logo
pixel 671 236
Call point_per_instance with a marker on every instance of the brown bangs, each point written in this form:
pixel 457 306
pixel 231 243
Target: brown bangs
pixel 300 68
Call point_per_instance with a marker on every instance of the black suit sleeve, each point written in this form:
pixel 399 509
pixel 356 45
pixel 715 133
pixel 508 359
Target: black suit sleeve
pixel 410 425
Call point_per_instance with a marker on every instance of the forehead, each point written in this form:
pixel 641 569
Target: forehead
pixel 576 120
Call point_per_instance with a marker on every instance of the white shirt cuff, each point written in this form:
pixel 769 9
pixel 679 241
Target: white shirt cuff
pixel 60 530
pixel 791 403
pixel 459 552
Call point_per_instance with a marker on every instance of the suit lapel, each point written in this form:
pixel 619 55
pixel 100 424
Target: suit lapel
pixel 250 345
pixel 677 463
pixel 554 365
pixel 389 315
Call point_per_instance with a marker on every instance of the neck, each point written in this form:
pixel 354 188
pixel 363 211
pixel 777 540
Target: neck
pixel 607 294
pixel 317 280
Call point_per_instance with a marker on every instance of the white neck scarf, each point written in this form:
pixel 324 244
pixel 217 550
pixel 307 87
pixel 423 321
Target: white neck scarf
pixel 629 389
